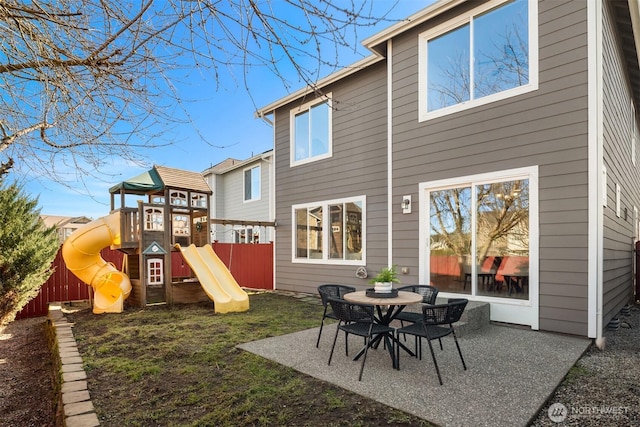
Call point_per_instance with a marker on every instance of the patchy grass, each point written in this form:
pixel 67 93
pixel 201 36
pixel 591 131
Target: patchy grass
pixel 179 366
pixel 576 373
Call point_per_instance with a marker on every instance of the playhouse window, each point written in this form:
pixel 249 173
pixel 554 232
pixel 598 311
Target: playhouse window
pixel 155 271
pixel 180 225
pixel 198 200
pixel 178 198
pixel 158 200
pixel 154 219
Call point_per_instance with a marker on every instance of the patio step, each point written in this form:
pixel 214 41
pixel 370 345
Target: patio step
pixel 476 316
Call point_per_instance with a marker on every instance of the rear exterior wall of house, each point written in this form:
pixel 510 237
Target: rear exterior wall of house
pixel 547 128
pixel 357 167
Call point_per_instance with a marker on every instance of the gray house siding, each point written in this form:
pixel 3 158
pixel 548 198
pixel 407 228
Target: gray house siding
pixel 619 232
pixel 357 167
pixel 547 127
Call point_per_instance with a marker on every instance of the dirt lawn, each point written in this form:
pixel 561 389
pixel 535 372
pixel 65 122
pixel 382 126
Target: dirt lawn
pixel 26 375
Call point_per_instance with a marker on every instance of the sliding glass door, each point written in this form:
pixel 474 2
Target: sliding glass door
pixel 480 237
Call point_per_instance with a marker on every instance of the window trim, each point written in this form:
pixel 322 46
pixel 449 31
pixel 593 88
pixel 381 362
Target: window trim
pixel 326 98
pixel 634 133
pixel 244 183
pixel 618 199
pixel 424 37
pixel 326 226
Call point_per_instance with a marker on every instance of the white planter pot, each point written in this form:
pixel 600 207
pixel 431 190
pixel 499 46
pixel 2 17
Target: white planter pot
pixel 383 287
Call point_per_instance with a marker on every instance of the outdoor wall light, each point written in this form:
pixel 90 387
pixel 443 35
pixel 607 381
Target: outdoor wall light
pixel 406 204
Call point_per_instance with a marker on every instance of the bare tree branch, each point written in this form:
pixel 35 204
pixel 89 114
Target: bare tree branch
pixel 82 81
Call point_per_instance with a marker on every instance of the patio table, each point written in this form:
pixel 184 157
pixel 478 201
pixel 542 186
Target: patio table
pixel 387 310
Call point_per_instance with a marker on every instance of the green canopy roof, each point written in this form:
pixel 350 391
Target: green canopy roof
pixel 146 182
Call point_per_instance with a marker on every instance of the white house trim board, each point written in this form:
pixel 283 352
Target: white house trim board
pixel 438 8
pixel 312 90
pixel 389 153
pixel 596 174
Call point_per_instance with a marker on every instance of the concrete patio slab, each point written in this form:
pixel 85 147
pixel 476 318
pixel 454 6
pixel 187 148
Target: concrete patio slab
pixel 511 372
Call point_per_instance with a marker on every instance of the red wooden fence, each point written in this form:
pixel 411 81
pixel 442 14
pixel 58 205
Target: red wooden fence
pixel 63 285
pixel 251 266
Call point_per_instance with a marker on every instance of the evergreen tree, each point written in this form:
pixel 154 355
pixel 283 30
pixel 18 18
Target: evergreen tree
pixel 27 249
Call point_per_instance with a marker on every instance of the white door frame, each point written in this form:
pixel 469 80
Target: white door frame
pixel 523 312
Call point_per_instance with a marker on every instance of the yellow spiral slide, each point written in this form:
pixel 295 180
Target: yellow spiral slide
pixel 81 253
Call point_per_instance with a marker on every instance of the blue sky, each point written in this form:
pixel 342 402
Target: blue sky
pixel 223 115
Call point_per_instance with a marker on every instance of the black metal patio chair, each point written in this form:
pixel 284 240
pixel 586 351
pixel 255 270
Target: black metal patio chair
pixel 358 319
pixel 429 295
pixel 436 323
pixel 330 291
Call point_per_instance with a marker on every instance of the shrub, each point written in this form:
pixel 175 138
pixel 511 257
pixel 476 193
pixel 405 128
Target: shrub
pixel 27 249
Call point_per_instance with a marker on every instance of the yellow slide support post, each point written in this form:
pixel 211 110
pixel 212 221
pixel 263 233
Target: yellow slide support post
pixel 81 253
pixel 216 280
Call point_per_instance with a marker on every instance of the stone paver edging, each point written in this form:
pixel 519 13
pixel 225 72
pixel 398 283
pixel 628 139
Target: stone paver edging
pixel 77 408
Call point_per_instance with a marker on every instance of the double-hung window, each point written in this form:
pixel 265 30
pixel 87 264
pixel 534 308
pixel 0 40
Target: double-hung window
pixel 330 231
pixel 487 54
pixel 311 131
pixel 252 183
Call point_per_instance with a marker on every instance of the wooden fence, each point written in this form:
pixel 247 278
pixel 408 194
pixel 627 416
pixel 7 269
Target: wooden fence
pixel 250 264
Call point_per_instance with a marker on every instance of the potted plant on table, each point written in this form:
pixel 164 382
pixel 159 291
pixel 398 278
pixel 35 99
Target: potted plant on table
pixel 384 280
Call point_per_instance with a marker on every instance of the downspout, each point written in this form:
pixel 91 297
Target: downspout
pixel 596 167
pixel 389 153
pixel 272 190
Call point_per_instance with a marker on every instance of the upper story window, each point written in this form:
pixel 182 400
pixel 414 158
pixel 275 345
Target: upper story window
pixel 331 231
pixel 311 131
pixel 488 54
pixel 252 183
pixel 198 200
pixel 178 198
